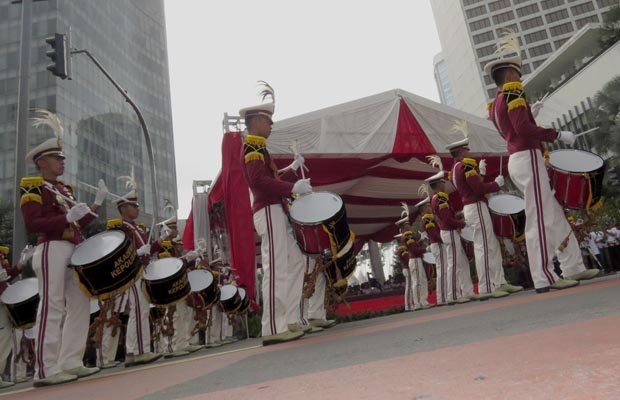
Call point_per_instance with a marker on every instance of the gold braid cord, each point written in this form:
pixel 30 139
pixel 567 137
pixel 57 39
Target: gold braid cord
pixel 310 277
pixel 106 316
pixel 26 352
pixel 157 324
pixel 168 322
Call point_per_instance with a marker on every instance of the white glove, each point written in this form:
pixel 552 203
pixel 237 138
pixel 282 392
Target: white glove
pixel 567 137
pixel 500 180
pixel 191 255
pixel 482 167
pixel 77 212
pixel 536 107
pixel 165 232
pixel 144 250
pixel 302 186
pixel 26 254
pixel 102 192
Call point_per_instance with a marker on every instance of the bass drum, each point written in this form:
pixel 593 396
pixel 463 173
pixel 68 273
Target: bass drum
pixel 21 300
pixel 165 282
pixel 340 269
pixel 245 301
pixel 106 264
pixel 508 216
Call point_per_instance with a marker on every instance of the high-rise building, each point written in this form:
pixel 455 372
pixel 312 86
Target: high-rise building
pixel 444 87
pixel 102 135
pixel 469 29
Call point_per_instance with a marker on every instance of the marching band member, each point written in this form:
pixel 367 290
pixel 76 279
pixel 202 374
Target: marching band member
pixel 10 338
pixel 282 260
pixel 546 227
pixel 138 337
pixel 49 208
pixel 473 191
pixel 436 248
pixel 403 255
pixel 417 288
pixel 459 286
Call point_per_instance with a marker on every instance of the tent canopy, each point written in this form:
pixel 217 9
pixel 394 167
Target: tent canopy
pixel 372 152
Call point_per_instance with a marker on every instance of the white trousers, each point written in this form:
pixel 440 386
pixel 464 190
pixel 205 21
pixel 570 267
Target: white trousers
pixel 487 253
pixel 458 276
pixel 283 270
pixel 546 226
pixel 419 283
pixel 138 340
pixel 60 344
pixel 441 287
pixel 183 319
pixel 10 342
pixel 316 303
pixel 109 342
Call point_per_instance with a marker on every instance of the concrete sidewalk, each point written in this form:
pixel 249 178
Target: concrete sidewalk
pixel 558 345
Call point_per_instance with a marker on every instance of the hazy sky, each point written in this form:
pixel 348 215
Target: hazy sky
pixel 314 53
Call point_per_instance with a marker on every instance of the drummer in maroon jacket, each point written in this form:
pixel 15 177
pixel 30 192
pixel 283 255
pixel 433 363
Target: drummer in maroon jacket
pixel 436 248
pixel 49 209
pixel 282 260
pixel 474 191
pixel 459 285
pixel 546 227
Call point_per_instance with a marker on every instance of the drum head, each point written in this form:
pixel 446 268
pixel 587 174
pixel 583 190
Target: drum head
pixel 315 207
pixel 97 247
pixel 20 291
pixel 506 204
pixel 228 292
pixel 162 269
pixel 199 279
pixel 467 233
pixel 575 160
pixel 428 258
pixel 242 293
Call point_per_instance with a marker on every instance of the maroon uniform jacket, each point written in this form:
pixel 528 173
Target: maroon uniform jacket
pixel 470 185
pixel 444 214
pixel 45 213
pixel 138 237
pixel 403 254
pixel 431 228
pixel 415 249
pixel 262 175
pixel 513 118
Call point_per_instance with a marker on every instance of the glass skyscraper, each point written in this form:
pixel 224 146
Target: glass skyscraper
pixel 102 138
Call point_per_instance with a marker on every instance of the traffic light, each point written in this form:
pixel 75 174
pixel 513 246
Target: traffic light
pixel 60 55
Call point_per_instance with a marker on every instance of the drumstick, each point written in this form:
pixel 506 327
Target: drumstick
pixel 96 188
pixel 294 148
pixel 501 162
pixel 52 189
pixel 588 131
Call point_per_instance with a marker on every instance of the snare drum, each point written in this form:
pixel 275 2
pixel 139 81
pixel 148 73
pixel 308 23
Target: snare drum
pixel 230 298
pixel 165 281
pixel 319 221
pixel 106 264
pixel 205 291
pixel 21 300
pixel 508 216
pixel 245 301
pixel 577 178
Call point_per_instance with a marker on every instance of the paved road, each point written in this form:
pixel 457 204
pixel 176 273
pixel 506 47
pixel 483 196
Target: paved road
pixel 558 345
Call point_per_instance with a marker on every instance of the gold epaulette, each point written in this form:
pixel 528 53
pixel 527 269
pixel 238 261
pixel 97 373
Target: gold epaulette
pixel 4 250
pixel 514 95
pixel 470 167
pixel 254 148
pixel 30 189
pixel 164 254
pixel 142 226
pixel 166 243
pixel 489 105
pixel 443 200
pixel 114 223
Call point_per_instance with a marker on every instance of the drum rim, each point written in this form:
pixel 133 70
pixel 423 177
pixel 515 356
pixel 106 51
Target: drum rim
pixel 199 272
pixel 107 256
pixel 343 205
pixel 28 281
pixel 161 261
pixel 574 151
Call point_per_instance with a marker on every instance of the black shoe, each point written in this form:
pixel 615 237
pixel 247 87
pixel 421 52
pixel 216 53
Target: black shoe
pixel 542 290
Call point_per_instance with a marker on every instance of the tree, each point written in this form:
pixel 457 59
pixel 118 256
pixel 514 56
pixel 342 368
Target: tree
pixel 6 223
pixel 610 31
pixel 606 115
